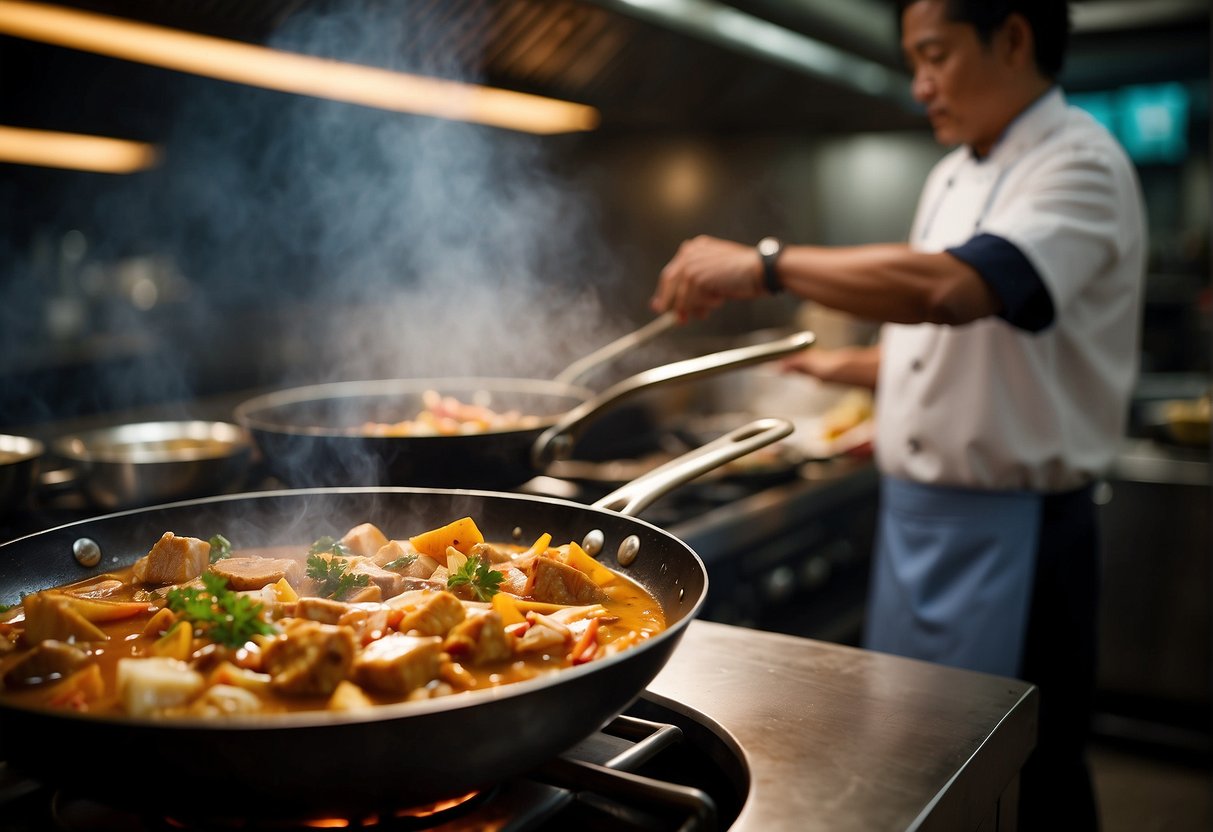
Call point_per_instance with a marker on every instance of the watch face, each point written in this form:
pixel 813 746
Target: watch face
pixel 768 246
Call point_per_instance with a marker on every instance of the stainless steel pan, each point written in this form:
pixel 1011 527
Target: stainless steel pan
pixel 391 756
pixel 308 436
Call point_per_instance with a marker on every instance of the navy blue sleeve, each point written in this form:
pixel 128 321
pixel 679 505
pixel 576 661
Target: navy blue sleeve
pixel 1026 302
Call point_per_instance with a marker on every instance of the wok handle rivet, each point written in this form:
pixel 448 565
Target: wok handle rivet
pixel 628 550
pixel 87 552
pixel 593 542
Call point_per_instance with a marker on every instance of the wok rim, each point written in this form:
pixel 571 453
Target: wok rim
pixel 324 719
pixel 250 412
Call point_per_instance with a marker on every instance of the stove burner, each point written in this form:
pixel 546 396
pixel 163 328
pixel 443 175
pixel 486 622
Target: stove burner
pixel 75 813
pixel 658 767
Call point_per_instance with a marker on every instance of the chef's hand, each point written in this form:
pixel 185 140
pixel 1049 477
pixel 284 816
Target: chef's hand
pixel 703 274
pixel 852 366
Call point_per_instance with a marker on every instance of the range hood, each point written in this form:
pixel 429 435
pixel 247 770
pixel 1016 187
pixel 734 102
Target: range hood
pixel 736 66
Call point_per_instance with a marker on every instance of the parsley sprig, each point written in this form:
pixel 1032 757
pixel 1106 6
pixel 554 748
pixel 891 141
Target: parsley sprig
pixel 221 548
pixel 327 545
pixel 333 575
pixel 224 616
pixel 477 575
pixel 401 562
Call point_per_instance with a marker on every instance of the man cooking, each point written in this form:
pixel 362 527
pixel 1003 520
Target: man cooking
pixel 1004 367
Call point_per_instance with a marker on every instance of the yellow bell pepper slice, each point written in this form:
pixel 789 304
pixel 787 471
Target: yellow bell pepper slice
pixel 506 606
pixel 461 534
pixel 177 643
pixel 284 592
pixel 580 560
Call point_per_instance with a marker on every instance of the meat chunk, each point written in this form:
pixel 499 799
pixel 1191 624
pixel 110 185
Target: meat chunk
pixel 364 539
pixel 150 685
pixel 408 561
pixel 309 658
pixel 390 583
pixel 244 574
pixel 173 560
pixel 558 583
pixel 479 639
pixel 324 610
pixel 428 613
pixel 397 663
pixel 48 661
pixel 490 553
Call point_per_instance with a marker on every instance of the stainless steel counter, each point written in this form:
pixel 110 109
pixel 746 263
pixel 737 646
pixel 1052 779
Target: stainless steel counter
pixel 843 739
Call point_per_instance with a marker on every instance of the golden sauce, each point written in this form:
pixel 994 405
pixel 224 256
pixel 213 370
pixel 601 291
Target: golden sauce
pixel 631 615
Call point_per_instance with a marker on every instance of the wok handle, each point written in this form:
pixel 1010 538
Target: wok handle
pixel 639 494
pixel 557 441
pixel 602 355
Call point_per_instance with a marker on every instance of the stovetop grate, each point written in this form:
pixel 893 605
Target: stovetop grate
pixel 634 774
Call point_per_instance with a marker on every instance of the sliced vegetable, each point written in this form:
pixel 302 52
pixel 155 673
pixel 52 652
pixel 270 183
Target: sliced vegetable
pixel 507 607
pixel 177 643
pixel 284 592
pixel 97 610
pixel 463 534
pixel 587 645
pixel 582 562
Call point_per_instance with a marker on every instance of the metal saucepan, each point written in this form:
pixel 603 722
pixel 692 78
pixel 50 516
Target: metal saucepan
pixel 20 461
pixel 391 756
pixel 309 435
pixel 151 462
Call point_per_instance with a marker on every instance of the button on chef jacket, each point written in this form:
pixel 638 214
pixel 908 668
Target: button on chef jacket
pixel 974 422
pixel 1026 401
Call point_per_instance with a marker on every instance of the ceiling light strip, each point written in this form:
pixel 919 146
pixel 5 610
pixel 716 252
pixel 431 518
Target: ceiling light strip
pixel 244 63
pixel 74 151
pixel 718 23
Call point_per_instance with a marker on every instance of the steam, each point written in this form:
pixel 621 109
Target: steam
pixel 429 247
pixel 316 241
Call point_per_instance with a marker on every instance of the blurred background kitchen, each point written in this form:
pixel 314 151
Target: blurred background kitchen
pixel 248 238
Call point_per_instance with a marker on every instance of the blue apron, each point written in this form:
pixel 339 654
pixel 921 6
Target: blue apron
pixel 952 577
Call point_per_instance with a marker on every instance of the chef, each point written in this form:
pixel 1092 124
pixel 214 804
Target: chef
pixel 1003 371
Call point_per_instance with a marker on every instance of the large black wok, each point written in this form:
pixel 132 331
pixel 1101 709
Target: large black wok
pixel 304 434
pixel 395 755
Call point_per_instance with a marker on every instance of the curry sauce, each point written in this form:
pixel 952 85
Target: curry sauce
pixel 198 628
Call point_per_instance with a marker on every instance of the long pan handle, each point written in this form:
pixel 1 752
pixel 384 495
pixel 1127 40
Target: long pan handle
pixel 639 494
pixel 557 441
pixel 646 333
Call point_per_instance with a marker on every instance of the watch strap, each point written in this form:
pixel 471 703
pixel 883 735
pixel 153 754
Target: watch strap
pixel 769 249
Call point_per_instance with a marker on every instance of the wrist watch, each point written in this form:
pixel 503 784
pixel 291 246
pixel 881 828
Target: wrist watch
pixel 769 249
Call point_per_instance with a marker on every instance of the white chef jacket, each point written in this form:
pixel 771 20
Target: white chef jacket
pixel 1024 401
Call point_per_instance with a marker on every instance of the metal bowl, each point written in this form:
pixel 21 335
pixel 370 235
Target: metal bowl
pixel 155 462
pixel 20 459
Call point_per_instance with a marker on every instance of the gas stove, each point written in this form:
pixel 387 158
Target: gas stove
pixel 641 771
pixel 741 730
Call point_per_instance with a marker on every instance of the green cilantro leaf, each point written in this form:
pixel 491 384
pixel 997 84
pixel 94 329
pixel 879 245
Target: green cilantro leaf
pixel 329 545
pixel 477 575
pixel 223 616
pixel 333 576
pixel 221 548
pixel 401 562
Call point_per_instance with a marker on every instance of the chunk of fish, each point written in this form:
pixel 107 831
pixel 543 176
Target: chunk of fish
pixel 244 574
pixel 173 560
pixel 309 658
pixel 397 663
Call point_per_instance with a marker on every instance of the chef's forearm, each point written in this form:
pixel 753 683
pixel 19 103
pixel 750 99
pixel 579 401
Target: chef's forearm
pixel 854 366
pixel 888 282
